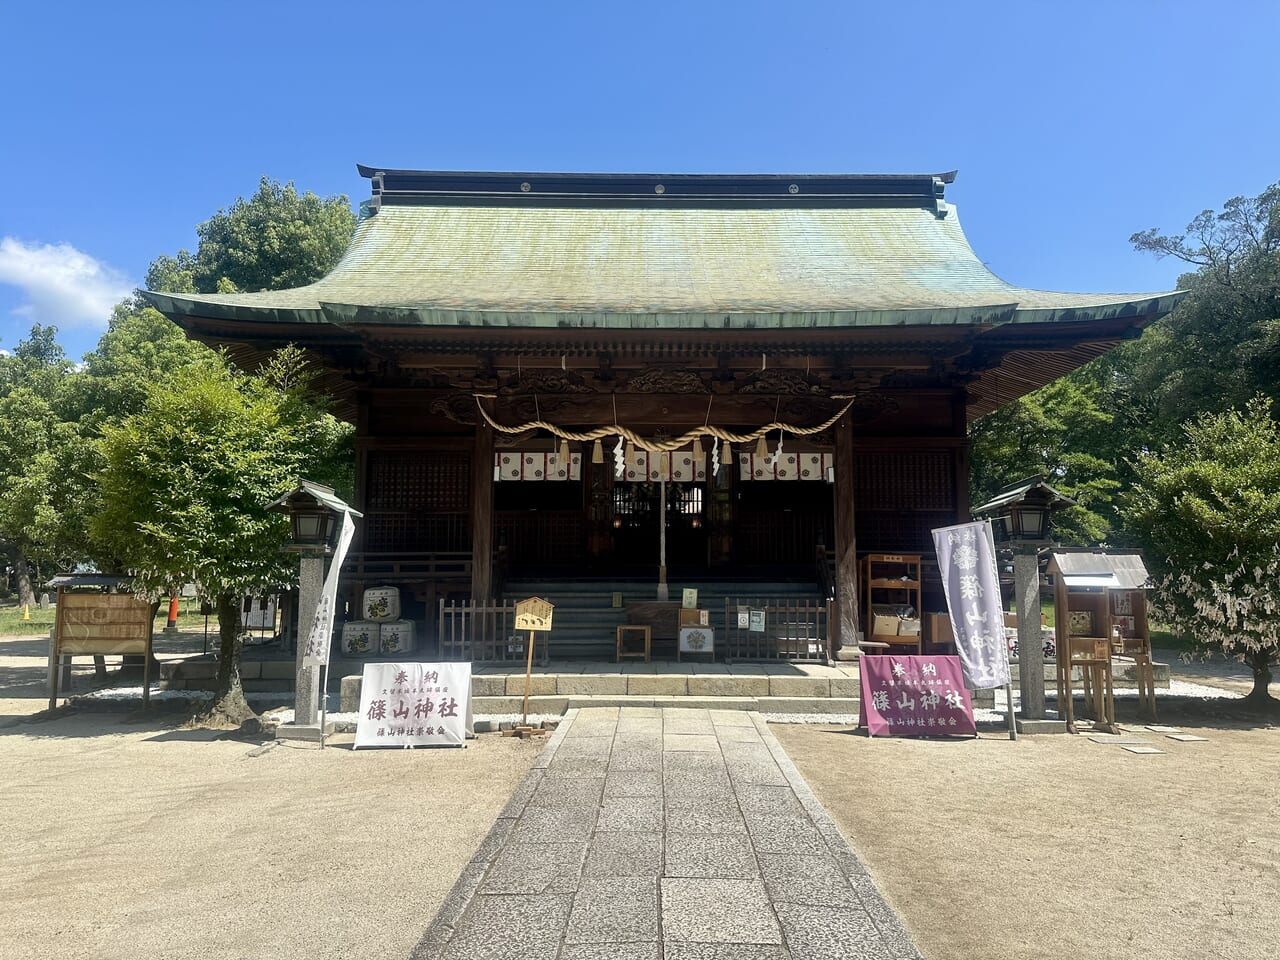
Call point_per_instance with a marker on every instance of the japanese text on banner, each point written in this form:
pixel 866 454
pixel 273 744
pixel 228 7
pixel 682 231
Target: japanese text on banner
pixel 967 561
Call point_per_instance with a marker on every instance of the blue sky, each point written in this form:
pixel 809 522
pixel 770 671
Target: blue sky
pixel 1072 125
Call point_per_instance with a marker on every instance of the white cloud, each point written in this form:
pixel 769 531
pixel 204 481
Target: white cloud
pixel 61 285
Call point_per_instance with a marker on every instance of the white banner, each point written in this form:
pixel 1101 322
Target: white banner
pixel 515 465
pixel 682 466
pixel 414 705
pixel 790 466
pixel 320 636
pixel 967 561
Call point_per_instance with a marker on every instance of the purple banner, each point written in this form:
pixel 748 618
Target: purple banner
pixel 967 561
pixel 914 696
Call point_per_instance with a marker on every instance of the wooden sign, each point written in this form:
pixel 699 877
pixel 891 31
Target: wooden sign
pixel 534 614
pixel 96 624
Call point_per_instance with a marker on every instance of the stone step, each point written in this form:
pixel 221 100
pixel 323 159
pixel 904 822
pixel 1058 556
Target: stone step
pixel 558 704
pixel 646 686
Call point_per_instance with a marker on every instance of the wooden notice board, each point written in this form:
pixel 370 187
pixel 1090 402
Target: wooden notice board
pixel 94 624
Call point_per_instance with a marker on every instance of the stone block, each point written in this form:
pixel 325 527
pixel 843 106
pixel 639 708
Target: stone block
pixel 304 731
pixel 1040 726
pixel 830 931
pixel 268 686
pixel 591 684
pixel 611 951
pixel 846 686
pixel 349 693
pixel 488 685
pixel 201 669
pixel 615 910
pixel 717 911
pixel 625 855
pixel 691 742
pixel 536 868
pixel 657 685
pixel 827 705
pixel 250 669
pixel 722 855
pixel 799 687
pixel 630 815
pixel 540 684
pixel 728 685
pixel 279 670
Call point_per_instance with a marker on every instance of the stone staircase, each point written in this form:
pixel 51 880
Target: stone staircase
pixel 561 685
pixel 586 620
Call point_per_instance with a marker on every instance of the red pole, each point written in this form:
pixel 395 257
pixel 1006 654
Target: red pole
pixel 173 614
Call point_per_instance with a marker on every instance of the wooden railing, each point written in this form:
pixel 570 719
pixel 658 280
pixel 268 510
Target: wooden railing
pixel 400 565
pixel 785 629
pixel 483 633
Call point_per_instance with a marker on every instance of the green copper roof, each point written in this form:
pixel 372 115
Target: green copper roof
pixel 511 260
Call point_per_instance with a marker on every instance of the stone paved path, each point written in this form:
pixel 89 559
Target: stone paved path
pixel 664 834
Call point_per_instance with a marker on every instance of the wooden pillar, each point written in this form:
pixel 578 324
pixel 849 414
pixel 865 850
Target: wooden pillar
pixel 482 514
pixel 960 428
pixel 846 632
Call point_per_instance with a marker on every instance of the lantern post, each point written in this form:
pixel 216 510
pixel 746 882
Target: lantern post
pixel 314 514
pixel 1020 516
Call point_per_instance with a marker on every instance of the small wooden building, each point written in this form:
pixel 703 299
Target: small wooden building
pixel 1100 611
pixel 850 309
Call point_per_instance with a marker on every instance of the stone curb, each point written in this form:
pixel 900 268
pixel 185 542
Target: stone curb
pixel 873 901
pixel 442 927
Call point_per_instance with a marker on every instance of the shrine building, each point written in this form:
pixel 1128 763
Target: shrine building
pixel 572 376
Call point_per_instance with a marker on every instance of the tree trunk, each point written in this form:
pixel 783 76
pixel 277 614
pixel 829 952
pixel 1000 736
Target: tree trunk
pixel 26 595
pixel 228 707
pixel 131 664
pixel 1260 661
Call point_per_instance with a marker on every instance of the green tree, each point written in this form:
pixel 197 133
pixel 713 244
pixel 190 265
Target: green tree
pixel 1207 512
pixel 139 348
pixel 33 381
pixel 1054 432
pixel 1221 345
pixel 185 484
pixel 276 239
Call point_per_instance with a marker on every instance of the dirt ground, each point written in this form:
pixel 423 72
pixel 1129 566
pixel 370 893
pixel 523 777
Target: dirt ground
pixel 1059 847
pixel 143 840
pixel 126 839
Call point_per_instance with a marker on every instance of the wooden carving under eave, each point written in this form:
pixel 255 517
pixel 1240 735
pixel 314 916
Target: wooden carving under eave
pixel 871 406
pixel 540 382
pixel 783 382
pixel 658 380
pixel 458 407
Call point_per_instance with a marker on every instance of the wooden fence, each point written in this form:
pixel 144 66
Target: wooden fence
pixel 483 633
pixel 776 628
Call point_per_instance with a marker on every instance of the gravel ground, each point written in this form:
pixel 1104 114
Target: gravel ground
pixel 1059 847
pixel 141 840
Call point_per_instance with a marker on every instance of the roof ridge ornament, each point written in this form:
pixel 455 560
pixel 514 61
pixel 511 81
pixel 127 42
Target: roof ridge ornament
pixel 940 206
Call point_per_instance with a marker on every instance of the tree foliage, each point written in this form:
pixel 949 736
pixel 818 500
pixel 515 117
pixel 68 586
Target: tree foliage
pixel 185 485
pixel 276 239
pixel 53 412
pixel 1221 346
pixel 1207 512
pixel 33 430
pixel 1050 432
pixel 1218 348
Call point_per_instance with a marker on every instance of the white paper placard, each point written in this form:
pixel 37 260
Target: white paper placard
pixel 414 705
pixel 697 640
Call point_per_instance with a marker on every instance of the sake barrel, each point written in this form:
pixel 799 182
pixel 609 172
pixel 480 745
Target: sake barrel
pixel 360 638
pixel 396 637
pixel 381 603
